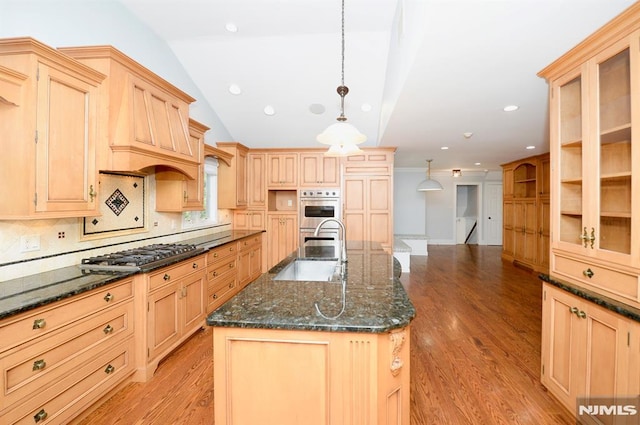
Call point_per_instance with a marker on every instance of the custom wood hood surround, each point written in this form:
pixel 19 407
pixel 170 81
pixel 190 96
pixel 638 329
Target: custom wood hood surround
pixel 146 117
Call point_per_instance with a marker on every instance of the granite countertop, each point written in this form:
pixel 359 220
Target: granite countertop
pixel 608 303
pixel 29 292
pixel 369 300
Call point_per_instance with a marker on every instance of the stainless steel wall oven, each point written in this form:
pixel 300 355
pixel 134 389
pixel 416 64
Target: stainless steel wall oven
pixel 315 206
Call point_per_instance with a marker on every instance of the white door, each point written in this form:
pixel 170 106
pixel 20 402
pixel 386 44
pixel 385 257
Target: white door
pixel 493 216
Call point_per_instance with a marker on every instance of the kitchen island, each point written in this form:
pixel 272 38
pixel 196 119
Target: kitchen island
pixel 332 352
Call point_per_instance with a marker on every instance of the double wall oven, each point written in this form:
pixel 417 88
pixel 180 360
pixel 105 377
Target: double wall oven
pixel 315 206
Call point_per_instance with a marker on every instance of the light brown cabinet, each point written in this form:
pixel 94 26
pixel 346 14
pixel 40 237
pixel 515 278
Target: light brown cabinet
pixel 49 131
pixel 59 359
pixel 256 180
pixel 249 259
pixel 144 119
pixel 282 170
pixel 249 220
pixel 317 170
pixel 596 160
pixel 367 211
pixel 232 192
pixel 172 303
pixel 222 275
pixel 175 192
pixel 525 212
pixel 585 349
pixel 282 231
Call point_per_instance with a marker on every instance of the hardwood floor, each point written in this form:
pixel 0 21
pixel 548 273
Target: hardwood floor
pixel 475 352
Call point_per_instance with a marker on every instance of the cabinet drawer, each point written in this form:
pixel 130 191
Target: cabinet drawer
pixel 90 381
pixel 171 274
pixel 221 268
pixel 31 325
pixel 30 369
pixel 613 281
pixel 250 242
pixel 220 252
pixel 221 291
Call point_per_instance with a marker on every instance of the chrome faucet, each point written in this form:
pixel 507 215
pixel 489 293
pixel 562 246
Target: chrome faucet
pixel 343 247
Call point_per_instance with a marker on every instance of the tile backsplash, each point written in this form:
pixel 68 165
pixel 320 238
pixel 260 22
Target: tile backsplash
pixel 62 242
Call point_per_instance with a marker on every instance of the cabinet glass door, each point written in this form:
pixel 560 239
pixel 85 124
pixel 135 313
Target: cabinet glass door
pixel 614 179
pixel 570 160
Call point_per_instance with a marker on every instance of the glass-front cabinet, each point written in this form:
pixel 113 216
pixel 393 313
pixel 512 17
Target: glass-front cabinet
pixel 595 161
pixel 593 150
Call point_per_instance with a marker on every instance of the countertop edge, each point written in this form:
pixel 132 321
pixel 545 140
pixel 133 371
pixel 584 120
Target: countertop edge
pixel 601 300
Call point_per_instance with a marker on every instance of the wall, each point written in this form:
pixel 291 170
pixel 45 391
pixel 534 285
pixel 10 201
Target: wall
pixel 74 23
pixel 433 213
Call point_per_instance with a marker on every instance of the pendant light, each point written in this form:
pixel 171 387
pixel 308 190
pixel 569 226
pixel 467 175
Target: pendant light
pixel 342 136
pixel 429 184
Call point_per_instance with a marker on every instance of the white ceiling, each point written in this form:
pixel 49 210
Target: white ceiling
pixel 431 69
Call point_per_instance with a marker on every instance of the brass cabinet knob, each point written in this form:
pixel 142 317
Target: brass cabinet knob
pixel 39 364
pixel 588 273
pixel 108 329
pixel 582 314
pixel 166 277
pixel 573 310
pixel 214 296
pixel 215 255
pixel 40 416
pixel 109 369
pixel 108 297
pixel 195 265
pixel 39 323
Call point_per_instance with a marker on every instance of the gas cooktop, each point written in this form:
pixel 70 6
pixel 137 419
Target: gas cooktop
pixel 133 259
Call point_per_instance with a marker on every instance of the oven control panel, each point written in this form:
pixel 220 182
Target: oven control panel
pixel 320 193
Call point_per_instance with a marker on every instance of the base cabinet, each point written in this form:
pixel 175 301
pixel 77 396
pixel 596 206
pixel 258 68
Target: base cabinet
pixel 282 231
pixel 58 360
pixel 283 377
pixel 171 304
pixel 586 349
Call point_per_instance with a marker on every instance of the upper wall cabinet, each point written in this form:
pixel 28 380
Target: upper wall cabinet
pixel 145 117
pixel 282 170
pixel 317 170
pixel 232 189
pixel 48 132
pixel 595 173
pixel 174 191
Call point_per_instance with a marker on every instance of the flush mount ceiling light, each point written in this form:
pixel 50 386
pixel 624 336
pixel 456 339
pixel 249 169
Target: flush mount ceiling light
pixel 231 27
pixel 342 136
pixel 510 108
pixel 530 147
pixel 429 184
pixel 467 135
pixel 269 110
pixel 235 89
pixel 456 173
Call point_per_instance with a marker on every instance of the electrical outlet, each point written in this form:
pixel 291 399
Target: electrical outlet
pixel 29 243
pixel 61 235
pixel 289 203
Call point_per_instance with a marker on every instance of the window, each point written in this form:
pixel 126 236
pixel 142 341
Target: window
pixel 209 215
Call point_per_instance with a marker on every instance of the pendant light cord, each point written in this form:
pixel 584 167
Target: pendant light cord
pixel 342 89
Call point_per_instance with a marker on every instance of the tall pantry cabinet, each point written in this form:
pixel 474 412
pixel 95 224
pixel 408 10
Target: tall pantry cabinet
pixel 594 96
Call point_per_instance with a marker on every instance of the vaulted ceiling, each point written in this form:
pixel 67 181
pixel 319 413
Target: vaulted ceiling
pixel 429 70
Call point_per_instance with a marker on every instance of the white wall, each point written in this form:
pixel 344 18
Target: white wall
pixel 431 213
pixel 60 23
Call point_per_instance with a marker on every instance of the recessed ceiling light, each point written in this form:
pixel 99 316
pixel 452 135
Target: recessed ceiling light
pixel 477 163
pixel 317 108
pixel 510 108
pixel 444 148
pixel 269 110
pixel 235 89
pixel 531 147
pixel 231 27
pixel 366 107
pixel 467 135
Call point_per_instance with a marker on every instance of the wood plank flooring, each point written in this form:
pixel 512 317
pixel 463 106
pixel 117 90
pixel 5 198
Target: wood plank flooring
pixel 475 352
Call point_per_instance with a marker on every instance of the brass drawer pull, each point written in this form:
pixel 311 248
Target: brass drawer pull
pixel 40 416
pixel 39 364
pixel 108 297
pixel 109 369
pixel 92 193
pixel 588 273
pixel 195 265
pixel 573 310
pixel 108 329
pixel 214 296
pixel 39 323
pixel 582 314
pixel 215 255
pixel 166 277
pixel 230 265
pixel 215 273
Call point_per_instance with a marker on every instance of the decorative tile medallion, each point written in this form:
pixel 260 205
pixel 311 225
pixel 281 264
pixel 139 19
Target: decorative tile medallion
pixel 122 205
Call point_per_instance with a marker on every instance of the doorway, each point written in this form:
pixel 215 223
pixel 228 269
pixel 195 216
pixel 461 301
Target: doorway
pixel 468 210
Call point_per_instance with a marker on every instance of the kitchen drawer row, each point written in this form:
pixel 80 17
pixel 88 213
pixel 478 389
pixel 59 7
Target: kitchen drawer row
pixel 58 360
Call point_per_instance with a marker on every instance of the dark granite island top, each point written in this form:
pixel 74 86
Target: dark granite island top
pixel 369 300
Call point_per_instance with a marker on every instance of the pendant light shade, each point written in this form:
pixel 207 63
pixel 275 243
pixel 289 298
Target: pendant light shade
pixel 342 136
pixel 429 184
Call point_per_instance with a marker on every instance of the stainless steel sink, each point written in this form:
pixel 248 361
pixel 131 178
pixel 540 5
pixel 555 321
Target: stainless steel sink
pixel 310 270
